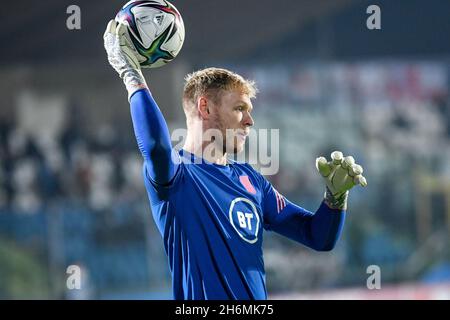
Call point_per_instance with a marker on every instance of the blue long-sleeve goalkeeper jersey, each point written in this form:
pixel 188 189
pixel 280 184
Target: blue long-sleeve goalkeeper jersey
pixel 212 217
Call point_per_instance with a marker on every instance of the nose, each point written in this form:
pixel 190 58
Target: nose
pixel 248 120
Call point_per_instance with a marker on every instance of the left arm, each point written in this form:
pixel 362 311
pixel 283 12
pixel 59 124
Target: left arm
pixel 319 231
pixel 322 229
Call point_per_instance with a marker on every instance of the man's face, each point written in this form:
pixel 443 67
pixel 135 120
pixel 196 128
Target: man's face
pixel 232 117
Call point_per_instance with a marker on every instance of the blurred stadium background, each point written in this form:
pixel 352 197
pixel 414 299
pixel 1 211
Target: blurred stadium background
pixel 71 190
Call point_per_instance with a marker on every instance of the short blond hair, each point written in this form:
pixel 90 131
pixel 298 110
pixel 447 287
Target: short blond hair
pixel 212 81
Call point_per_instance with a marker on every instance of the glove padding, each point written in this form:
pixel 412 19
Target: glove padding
pixel 341 174
pixel 122 56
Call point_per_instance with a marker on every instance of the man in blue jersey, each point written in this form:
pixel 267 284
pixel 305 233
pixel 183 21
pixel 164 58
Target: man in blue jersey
pixel 211 211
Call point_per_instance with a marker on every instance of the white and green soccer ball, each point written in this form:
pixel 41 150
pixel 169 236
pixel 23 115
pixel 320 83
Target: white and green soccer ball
pixel 155 28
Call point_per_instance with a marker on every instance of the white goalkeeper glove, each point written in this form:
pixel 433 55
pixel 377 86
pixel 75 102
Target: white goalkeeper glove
pixel 340 174
pixel 122 56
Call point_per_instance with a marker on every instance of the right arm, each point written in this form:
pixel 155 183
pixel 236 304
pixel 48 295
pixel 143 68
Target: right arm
pixel 152 136
pixel 150 128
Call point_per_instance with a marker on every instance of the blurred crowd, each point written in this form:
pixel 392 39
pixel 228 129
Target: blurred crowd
pixel 73 197
pixel 96 170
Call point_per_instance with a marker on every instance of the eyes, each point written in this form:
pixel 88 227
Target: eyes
pixel 242 108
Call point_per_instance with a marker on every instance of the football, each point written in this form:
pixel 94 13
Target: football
pixel 155 28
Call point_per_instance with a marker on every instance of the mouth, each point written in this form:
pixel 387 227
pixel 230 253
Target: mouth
pixel 242 135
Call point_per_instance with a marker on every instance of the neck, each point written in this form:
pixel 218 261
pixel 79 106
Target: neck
pixel 207 150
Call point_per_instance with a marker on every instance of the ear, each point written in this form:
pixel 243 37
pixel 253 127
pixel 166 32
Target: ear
pixel 203 108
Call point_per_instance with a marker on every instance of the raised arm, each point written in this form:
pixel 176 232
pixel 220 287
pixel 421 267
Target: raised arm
pixel 152 136
pixel 150 128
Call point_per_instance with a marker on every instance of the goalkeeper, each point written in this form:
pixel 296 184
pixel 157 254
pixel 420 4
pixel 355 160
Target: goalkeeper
pixel 211 211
